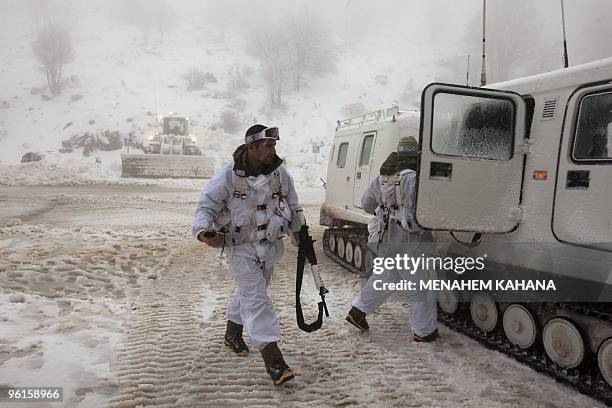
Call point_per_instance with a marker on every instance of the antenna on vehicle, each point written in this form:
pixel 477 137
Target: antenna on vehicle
pixel 467 73
pixel 483 71
pixel 155 101
pixel 565 59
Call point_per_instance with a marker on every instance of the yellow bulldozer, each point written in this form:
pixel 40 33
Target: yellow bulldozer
pixel 171 153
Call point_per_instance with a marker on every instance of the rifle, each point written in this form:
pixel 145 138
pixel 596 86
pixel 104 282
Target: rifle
pixel 306 252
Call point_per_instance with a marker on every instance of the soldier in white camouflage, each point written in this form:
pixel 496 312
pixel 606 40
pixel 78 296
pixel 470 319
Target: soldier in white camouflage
pixel 247 207
pixel 390 198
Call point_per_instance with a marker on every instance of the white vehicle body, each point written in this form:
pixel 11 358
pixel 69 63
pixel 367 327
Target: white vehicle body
pixel 519 173
pixel 361 144
pixel 546 188
pixel 504 198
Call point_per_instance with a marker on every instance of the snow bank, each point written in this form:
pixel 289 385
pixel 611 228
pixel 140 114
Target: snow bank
pixel 78 170
pixel 71 171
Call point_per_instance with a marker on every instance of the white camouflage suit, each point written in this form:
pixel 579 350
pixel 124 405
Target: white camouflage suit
pixel 401 228
pixel 241 204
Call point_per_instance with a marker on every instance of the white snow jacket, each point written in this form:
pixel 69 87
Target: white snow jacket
pixel 249 210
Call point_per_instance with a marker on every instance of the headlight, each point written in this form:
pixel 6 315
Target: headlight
pixel 193 139
pixel 151 138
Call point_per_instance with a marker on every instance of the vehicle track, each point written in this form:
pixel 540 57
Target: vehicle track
pixel 587 380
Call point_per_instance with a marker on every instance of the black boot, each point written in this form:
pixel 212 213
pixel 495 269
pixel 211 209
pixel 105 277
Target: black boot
pixel 358 319
pixel 426 339
pixel 234 340
pixel 276 367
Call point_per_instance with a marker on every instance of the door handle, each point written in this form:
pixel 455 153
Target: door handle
pixel 348 178
pixel 578 179
pixel 440 171
pixel 358 175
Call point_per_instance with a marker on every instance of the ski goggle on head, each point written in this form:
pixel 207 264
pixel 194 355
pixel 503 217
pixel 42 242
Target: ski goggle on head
pixel 269 133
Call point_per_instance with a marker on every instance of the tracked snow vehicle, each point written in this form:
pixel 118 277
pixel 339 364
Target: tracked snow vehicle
pixel 520 171
pixel 361 144
pixel 172 153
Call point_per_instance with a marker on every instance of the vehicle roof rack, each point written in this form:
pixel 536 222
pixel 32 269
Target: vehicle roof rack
pixel 374 116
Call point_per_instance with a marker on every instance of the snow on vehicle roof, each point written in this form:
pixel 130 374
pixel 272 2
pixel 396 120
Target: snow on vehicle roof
pixel 595 71
pixel 405 118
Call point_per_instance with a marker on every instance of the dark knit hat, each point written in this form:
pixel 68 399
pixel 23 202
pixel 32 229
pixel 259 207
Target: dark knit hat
pixel 404 158
pixel 408 145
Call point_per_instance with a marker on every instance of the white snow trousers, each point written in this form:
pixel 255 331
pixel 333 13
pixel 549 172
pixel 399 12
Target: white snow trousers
pixel 251 305
pixel 423 304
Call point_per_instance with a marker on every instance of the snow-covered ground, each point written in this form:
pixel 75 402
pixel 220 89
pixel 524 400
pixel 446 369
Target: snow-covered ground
pixel 104 292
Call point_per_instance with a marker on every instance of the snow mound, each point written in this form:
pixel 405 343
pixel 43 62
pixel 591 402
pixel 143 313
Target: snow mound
pixel 76 170
pixel 73 171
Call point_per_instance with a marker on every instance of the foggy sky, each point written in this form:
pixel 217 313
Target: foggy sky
pixel 450 26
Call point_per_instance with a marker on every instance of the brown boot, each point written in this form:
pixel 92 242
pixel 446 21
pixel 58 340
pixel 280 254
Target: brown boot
pixel 276 367
pixel 233 339
pixel 358 319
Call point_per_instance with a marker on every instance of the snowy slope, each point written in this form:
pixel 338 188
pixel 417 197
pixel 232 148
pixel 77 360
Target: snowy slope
pixel 119 82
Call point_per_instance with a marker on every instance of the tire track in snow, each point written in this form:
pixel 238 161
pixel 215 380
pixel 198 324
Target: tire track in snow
pixel 175 357
pixel 164 336
pixel 171 358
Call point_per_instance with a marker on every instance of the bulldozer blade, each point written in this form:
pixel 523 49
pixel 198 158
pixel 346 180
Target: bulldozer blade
pixel 166 166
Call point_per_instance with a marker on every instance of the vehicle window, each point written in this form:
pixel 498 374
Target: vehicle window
pixel 366 150
pixel 594 126
pixel 472 126
pixel 342 151
pixel 175 126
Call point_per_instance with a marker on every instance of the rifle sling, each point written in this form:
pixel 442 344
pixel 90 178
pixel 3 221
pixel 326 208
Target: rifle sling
pixel 301 261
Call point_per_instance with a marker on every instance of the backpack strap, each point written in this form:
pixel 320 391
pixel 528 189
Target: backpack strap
pixel 275 184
